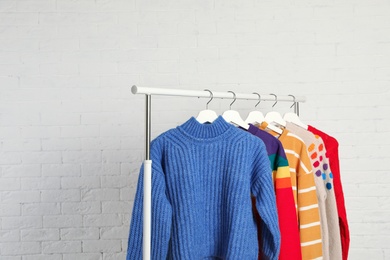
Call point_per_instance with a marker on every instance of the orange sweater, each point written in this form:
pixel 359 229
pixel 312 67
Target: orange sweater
pixel 304 188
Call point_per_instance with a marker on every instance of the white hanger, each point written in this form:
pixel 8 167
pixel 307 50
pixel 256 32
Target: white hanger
pixel 294 118
pixel 275 128
pixel 275 117
pixel 232 116
pixel 207 115
pixel 255 117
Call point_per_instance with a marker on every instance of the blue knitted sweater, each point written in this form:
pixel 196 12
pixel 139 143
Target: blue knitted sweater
pixel 203 176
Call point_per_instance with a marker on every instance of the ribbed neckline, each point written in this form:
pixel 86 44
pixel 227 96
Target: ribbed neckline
pixel 195 130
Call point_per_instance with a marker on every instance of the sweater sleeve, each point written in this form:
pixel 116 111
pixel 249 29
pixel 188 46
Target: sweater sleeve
pixel 161 213
pixel 290 242
pixel 263 189
pixel 331 214
pixel 338 189
pixel 308 212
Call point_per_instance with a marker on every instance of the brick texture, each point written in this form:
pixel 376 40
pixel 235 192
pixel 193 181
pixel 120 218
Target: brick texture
pixel 71 132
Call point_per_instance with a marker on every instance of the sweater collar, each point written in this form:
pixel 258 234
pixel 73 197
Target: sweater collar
pixel 205 131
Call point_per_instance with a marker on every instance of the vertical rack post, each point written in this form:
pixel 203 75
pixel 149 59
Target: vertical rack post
pixel 147 202
pixel 148 126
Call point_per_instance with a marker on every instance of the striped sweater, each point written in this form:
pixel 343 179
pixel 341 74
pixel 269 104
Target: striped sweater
pixel 331 244
pixel 290 242
pixel 305 196
pixel 202 180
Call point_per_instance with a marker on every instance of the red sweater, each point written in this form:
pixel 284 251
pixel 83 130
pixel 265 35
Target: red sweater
pixel 332 153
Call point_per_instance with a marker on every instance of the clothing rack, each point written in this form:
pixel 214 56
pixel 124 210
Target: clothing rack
pixel 147 200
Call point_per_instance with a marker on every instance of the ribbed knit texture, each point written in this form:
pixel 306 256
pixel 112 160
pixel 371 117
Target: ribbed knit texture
pixel 203 176
pixel 290 243
pixel 332 153
pixel 304 189
pixel 330 230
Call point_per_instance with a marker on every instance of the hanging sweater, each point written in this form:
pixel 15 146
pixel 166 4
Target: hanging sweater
pixel 290 244
pixel 332 153
pixel 330 230
pixel 305 196
pixel 203 176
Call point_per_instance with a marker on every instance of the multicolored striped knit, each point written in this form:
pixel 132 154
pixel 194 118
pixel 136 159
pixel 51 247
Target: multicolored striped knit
pixel 331 244
pixel 290 242
pixel 305 196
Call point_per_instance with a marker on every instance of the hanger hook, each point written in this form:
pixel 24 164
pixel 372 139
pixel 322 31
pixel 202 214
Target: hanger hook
pixel 212 96
pixel 276 99
pixel 259 98
pixel 234 96
pixel 293 101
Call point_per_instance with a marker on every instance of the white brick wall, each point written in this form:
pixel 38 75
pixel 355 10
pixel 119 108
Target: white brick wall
pixel 71 132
